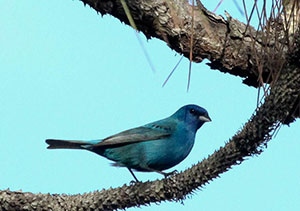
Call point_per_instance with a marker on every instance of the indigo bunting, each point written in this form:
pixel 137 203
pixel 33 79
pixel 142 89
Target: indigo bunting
pixel 154 147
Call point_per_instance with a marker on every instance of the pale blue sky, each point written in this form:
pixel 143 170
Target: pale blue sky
pixel 66 72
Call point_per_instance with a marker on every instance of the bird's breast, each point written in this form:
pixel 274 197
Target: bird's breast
pixel 166 153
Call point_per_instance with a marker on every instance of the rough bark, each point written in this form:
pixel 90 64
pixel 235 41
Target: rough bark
pixel 249 141
pixel 227 44
pixel 278 107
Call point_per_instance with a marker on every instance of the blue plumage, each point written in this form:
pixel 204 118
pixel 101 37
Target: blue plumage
pixel 155 146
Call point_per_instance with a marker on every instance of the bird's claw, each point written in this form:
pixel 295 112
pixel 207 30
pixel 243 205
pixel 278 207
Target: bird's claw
pixel 170 173
pixel 134 182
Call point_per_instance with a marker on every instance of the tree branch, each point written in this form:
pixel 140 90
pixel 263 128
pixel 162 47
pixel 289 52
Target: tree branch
pixel 249 141
pixel 278 107
pixel 227 43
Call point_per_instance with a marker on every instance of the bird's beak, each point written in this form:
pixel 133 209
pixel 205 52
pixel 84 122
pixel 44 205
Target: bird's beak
pixel 205 118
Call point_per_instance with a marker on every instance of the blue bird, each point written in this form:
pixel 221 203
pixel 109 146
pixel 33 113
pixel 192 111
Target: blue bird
pixel 154 147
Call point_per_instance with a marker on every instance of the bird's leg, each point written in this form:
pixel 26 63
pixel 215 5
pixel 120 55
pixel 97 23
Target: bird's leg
pixel 133 175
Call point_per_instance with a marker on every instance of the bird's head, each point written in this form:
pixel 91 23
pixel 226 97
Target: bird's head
pixel 192 115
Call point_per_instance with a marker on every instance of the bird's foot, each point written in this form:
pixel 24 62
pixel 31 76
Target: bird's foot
pixel 134 182
pixel 170 173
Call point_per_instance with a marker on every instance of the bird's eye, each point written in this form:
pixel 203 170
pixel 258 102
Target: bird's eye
pixel 192 111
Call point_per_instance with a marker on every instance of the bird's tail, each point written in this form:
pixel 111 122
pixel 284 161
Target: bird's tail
pixel 64 144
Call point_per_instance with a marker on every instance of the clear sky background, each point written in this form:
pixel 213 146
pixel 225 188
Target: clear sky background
pixel 66 72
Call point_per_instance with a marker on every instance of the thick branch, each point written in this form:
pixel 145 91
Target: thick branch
pixel 227 44
pixel 249 141
pixel 278 107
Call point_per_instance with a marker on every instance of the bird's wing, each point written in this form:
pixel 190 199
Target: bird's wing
pixel 149 132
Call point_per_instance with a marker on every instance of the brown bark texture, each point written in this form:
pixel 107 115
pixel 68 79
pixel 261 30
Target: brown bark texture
pixel 228 45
